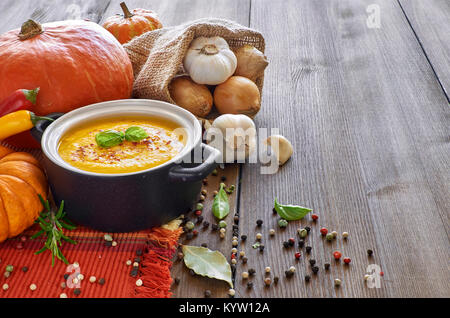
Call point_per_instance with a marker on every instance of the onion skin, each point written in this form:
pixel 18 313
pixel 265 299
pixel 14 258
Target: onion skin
pixel 193 97
pixel 237 95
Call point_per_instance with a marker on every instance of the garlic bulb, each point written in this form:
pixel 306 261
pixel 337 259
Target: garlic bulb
pixel 234 135
pixel 210 60
pixel 281 147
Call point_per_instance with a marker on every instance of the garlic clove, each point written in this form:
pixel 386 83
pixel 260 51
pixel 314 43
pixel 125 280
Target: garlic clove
pixel 238 136
pixel 281 147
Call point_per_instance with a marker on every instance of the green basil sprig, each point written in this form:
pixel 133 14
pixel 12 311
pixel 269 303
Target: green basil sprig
pixel 135 134
pixel 291 212
pixel 109 138
pixel 221 207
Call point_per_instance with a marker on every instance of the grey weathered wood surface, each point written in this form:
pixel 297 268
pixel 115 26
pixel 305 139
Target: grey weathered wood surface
pixel 431 23
pixel 369 121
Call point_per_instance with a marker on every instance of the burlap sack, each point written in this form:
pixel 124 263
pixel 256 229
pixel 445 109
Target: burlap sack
pixel 157 56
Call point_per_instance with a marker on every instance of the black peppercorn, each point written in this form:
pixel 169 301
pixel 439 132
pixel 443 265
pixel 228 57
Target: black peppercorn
pixel 199 219
pixel 137 259
pixel 308 249
pixel 250 285
pixel 205 224
pixel 312 262
pixel 274 211
pixel 291 242
pixel 288 274
pixel 77 291
pixel 327 266
pixel 191 272
pixel 301 243
pixel 251 272
pixel 223 178
pixel 235 227
pixel 204 245
pixel 369 252
pixel 189 236
pixel 315 269
pixel 308 229
pixel 25 269
pixel 133 273
pixel 139 252
pixel 276 279
pixel 259 222
pixel 286 244
pixel 243 237
pixel 307 278
pixel 101 281
pixel 261 247
pixel 177 280
pixel 214 227
pixel 207 293
pixel 66 276
pixel 244 260
pixel 236 219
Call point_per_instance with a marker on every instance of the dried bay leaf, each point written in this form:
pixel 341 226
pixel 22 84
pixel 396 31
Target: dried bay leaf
pixel 205 262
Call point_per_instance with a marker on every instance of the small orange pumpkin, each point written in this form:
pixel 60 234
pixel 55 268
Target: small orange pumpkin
pixel 21 180
pixel 131 24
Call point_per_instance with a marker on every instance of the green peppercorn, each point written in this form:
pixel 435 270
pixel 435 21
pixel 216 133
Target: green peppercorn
pixel 282 223
pixel 329 237
pixel 190 225
pixel 222 224
pixel 302 233
pixel 9 268
pixel 199 206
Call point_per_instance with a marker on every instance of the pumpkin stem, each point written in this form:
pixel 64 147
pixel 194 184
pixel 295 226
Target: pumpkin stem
pixel 126 13
pixel 29 29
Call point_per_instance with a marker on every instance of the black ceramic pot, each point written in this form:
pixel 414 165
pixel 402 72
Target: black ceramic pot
pixel 128 201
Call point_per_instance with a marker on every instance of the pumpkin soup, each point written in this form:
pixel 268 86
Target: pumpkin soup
pixel 160 141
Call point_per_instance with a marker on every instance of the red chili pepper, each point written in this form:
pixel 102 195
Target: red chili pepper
pixel 21 99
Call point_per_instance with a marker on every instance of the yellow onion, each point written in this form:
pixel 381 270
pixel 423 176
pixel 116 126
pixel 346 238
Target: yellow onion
pixel 237 95
pixel 251 62
pixel 193 97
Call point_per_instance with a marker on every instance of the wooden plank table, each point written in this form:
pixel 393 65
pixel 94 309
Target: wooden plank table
pixel 367 111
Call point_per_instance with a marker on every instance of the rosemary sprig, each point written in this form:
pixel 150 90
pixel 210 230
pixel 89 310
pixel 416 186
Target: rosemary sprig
pixel 52 225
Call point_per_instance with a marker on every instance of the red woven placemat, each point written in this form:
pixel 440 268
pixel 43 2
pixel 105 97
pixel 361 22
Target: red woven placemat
pixel 95 258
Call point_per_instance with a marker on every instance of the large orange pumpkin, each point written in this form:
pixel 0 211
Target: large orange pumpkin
pixel 131 24
pixel 75 63
pixel 21 180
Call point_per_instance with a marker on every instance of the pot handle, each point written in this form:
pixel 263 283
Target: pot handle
pixel 181 174
pixel 39 128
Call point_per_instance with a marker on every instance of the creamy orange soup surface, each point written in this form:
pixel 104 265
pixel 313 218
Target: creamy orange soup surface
pixel 79 148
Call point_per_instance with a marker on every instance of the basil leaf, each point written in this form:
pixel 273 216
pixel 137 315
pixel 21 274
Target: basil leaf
pixel 109 138
pixel 221 207
pixel 135 134
pixel 291 212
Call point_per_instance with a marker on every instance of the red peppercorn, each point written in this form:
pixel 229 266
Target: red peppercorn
pixel 324 231
pixel 337 255
pixel 233 255
pixel 198 212
pixel 314 217
pixel 195 232
pixel 381 273
pixel 298 255
pixel 292 240
pixel 347 260
pixel 23 238
pixel 19 246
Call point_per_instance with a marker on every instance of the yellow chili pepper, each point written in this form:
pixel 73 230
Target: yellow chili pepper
pixel 17 122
